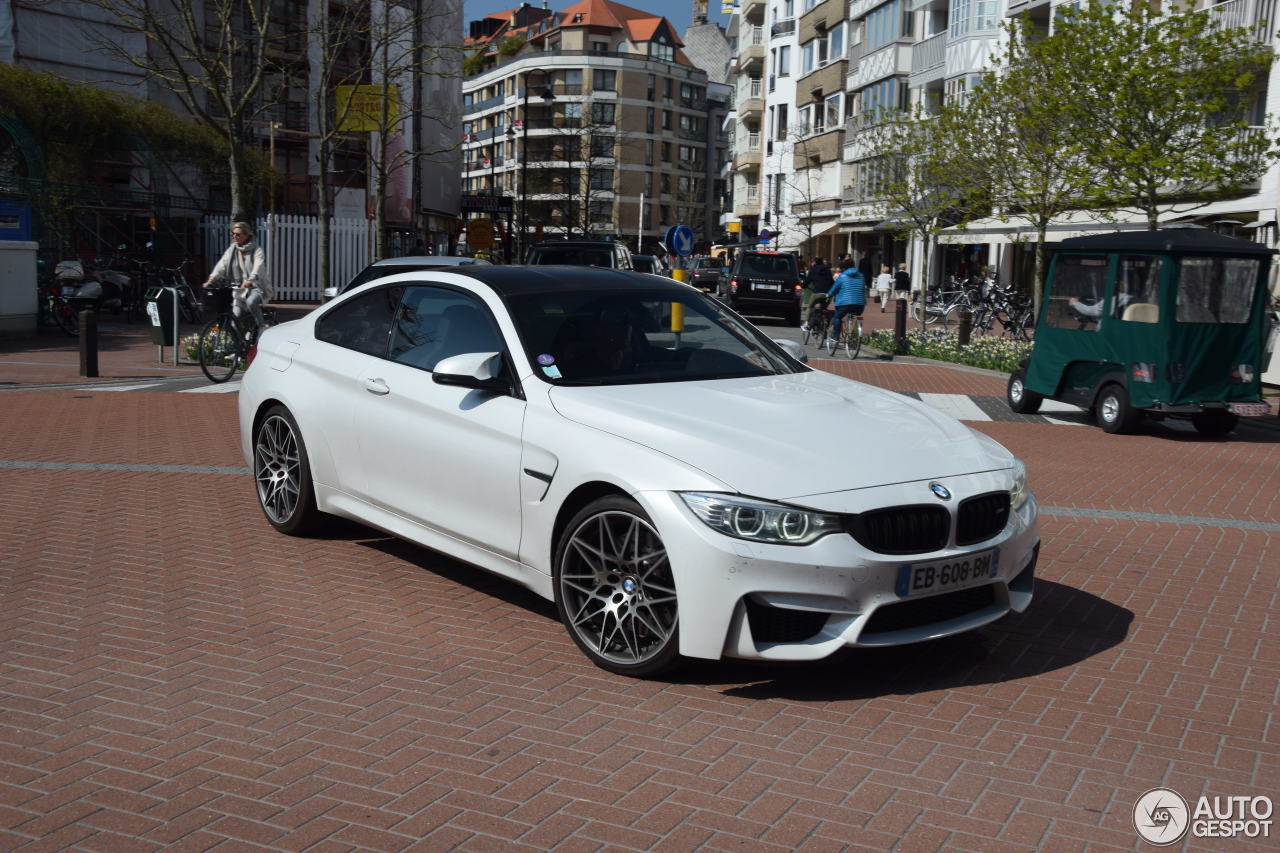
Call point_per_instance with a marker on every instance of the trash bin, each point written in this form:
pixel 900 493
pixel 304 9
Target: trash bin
pixel 160 311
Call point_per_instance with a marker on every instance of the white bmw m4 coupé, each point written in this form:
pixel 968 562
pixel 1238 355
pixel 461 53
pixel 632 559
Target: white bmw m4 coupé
pixel 678 483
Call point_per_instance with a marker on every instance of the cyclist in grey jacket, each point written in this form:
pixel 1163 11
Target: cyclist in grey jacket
pixel 848 294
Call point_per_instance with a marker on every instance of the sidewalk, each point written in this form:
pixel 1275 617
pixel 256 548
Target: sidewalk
pixel 125 351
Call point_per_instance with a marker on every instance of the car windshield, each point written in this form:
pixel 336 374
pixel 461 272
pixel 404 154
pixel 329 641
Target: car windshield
pixel 708 263
pixel 618 337
pixel 781 266
pixel 573 256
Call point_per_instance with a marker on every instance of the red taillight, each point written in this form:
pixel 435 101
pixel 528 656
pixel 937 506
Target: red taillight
pixel 733 286
pixel 799 287
pixel 250 355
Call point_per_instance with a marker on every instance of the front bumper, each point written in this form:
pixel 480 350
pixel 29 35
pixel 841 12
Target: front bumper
pixel 777 602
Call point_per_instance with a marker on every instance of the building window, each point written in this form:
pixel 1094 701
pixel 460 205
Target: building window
pixel 572 84
pixel 602 179
pixel 781 127
pixel 881 98
pixel 648 152
pixel 889 22
pixel 600 46
pixel 784 61
pixel 688 154
pixel 602 113
pixel 832 109
pixel 603 81
pixel 959 18
pixel 648 120
pixel 666 184
pixel 601 145
pixel 653 87
pixel 648 183
pixel 666 119
pixel 661 50
pixel 666 152
pixel 666 88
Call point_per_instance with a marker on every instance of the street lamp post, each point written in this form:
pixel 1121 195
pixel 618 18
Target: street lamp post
pixel 547 97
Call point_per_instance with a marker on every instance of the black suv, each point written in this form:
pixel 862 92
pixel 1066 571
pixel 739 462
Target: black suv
pixel 580 253
pixel 764 283
pixel 704 273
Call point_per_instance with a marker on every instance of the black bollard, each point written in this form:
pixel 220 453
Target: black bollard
pixel 966 326
pixel 900 326
pixel 88 342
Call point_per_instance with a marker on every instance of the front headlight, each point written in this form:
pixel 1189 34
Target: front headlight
pixel 1018 492
pixel 761 521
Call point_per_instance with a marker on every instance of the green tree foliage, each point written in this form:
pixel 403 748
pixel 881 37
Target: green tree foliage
pixel 1019 128
pixel 73 124
pixel 925 180
pixel 1153 103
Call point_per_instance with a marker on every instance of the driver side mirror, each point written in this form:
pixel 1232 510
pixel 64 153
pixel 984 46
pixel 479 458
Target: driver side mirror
pixel 479 370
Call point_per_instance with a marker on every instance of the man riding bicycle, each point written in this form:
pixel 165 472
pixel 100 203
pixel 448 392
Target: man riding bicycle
pixel 848 294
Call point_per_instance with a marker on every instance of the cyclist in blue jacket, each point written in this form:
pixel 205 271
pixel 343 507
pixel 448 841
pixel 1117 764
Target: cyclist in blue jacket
pixel 848 294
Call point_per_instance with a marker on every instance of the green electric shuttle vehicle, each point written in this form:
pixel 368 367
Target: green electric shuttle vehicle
pixel 1151 324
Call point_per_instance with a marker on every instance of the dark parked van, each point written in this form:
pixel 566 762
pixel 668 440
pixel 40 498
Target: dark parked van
pixel 764 283
pixel 581 253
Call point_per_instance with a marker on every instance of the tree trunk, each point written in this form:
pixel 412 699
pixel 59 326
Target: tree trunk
pixel 1037 286
pixel 241 210
pixel 325 211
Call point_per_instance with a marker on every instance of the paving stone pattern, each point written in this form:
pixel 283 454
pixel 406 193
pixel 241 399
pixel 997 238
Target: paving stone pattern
pixel 176 676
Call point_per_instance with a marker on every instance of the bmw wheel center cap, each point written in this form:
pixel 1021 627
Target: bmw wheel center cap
pixel 941 491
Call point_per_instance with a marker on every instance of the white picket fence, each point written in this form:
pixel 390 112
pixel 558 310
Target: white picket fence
pixel 292 244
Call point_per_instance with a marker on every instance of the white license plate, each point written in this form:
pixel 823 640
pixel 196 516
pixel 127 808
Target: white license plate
pixel 951 573
pixel 69 291
pixel 1251 410
pixel 768 287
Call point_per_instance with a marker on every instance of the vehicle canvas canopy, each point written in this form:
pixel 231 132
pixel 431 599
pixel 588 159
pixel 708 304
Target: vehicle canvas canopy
pixel 1176 316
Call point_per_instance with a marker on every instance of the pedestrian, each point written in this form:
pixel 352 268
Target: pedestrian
pixel 849 295
pixel 243 267
pixel 817 280
pixel 884 283
pixel 902 283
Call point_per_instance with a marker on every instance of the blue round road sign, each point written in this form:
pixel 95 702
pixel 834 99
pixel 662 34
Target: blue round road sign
pixel 682 240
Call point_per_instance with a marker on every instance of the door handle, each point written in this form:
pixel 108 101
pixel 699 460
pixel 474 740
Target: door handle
pixel 376 386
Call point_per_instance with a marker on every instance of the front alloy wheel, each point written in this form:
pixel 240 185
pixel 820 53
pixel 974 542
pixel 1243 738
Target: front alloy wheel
pixel 614 589
pixel 282 474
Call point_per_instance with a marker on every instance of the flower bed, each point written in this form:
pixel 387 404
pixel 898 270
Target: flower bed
pixel 989 351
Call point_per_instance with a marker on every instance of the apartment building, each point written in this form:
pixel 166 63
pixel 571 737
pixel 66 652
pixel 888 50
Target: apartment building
pixel 592 120
pixel 816 187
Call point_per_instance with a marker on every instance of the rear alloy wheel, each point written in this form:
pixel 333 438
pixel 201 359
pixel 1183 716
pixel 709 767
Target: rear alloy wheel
pixel 615 590
pixel 1114 413
pixel 1214 422
pixel 282 474
pixel 1021 400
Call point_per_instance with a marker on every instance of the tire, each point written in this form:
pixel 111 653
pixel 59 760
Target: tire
pixel 853 345
pixel 808 334
pixel 282 474
pixel 219 351
pixel 67 318
pixel 1214 422
pixel 831 343
pixel 615 591
pixel 1113 412
pixel 1021 400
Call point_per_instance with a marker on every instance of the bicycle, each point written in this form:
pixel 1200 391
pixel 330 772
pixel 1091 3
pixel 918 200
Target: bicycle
pixel 224 342
pixel 818 323
pixel 850 337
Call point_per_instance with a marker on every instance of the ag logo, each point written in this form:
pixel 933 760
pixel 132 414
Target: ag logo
pixel 1160 816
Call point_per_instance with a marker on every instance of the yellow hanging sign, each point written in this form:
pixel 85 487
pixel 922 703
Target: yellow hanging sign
pixel 359 108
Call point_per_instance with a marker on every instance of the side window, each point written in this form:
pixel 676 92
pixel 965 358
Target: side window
pixel 1076 292
pixel 435 323
pixel 1138 289
pixel 1216 289
pixel 362 323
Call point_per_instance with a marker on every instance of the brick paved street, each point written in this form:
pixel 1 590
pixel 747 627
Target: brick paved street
pixel 174 675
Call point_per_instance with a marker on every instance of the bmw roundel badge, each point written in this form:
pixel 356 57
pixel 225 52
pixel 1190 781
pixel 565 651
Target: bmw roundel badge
pixel 941 491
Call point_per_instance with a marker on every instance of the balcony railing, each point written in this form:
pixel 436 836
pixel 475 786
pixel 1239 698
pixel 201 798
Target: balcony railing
pixel 753 192
pixel 783 28
pixel 1250 14
pixel 753 141
pixel 929 53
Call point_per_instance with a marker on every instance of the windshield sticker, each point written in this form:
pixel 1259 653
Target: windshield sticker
pixel 546 360
pixel 552 371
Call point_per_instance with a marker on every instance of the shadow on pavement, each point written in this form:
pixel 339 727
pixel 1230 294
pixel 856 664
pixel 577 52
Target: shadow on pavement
pixel 1062 627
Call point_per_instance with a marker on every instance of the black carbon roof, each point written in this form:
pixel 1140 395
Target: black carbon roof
pixel 515 280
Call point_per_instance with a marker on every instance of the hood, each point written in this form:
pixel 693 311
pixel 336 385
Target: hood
pixel 782 437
